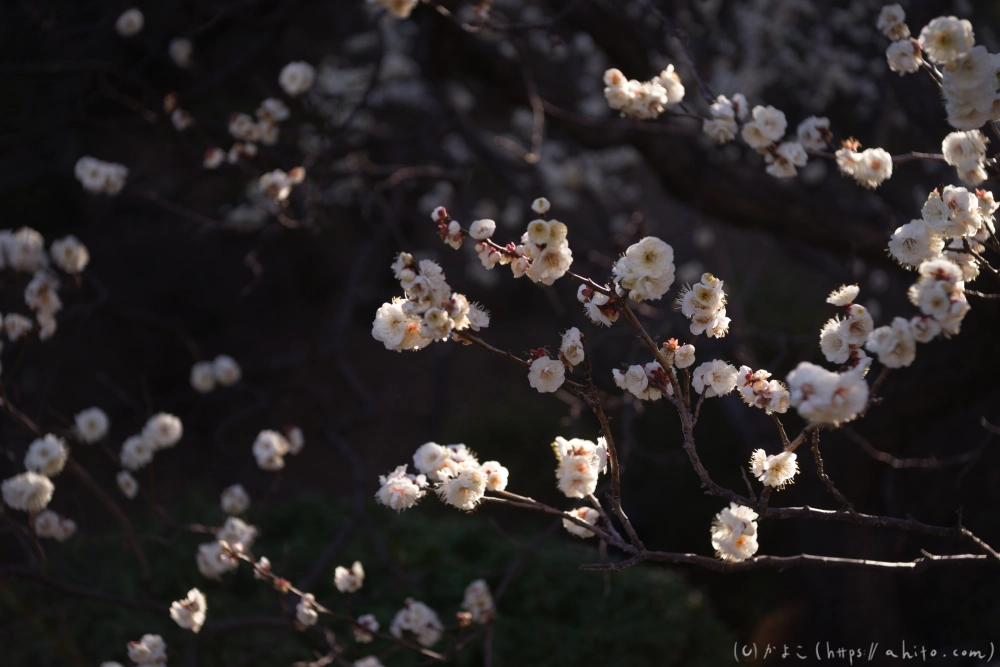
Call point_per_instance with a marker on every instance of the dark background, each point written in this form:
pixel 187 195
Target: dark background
pixel 172 281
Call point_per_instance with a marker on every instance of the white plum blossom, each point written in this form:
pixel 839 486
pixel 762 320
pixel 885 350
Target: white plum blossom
pixel 396 330
pixel 722 126
pixel 27 492
pixel 894 345
pixel 180 51
pixel 463 486
pixel 202 377
pixel 482 229
pixel 826 397
pixel 227 371
pixel 296 440
pixel 704 303
pixel 496 475
pixel 136 452
pixel 767 127
pixel 782 161
pixel 149 650
pixel 966 151
pixel 189 612
pixel 349 580
pixel 940 293
pixel 24 250
pixel 814 133
pixel 599 307
pixel 305 610
pixel 643 99
pixel 214 561
pixel 643 382
pixel 369 624
pixel 296 78
pixel 127 484
pixel 946 38
pixel 572 346
pixel 646 271
pixel 969 86
pixel 579 463
pixel 235 500
pixel 903 57
pixel 775 470
pixel 163 430
pixel 100 177
pixel 870 168
pixel 546 374
pixel 237 533
pixel 48 524
pixel 46 455
pixel 269 449
pixel 588 514
pixel 478 601
pixel 421 620
pixel 913 243
pixel 714 378
pixel 843 295
pixel 757 389
pixel 400 491
pixel 129 23
pixel 91 425
pixel 891 21
pixel 69 254
pixel 734 533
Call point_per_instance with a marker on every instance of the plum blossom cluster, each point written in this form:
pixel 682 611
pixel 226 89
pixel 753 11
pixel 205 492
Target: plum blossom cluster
pixel 429 312
pixel 460 479
pixel 223 370
pixel 704 303
pixel 763 129
pixel 870 167
pixel 643 99
pixel 24 251
pixel 734 533
pixel 216 558
pixel 841 340
pixel 966 151
pixel 579 462
pixel 760 391
pixel 51 525
pixel 100 177
pixel 161 431
pixel 968 72
pixel 647 383
pixel 278 184
pixel 270 447
pixel 827 397
pixel 418 619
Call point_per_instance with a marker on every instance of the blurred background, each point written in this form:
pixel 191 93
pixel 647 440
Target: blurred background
pixel 405 115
